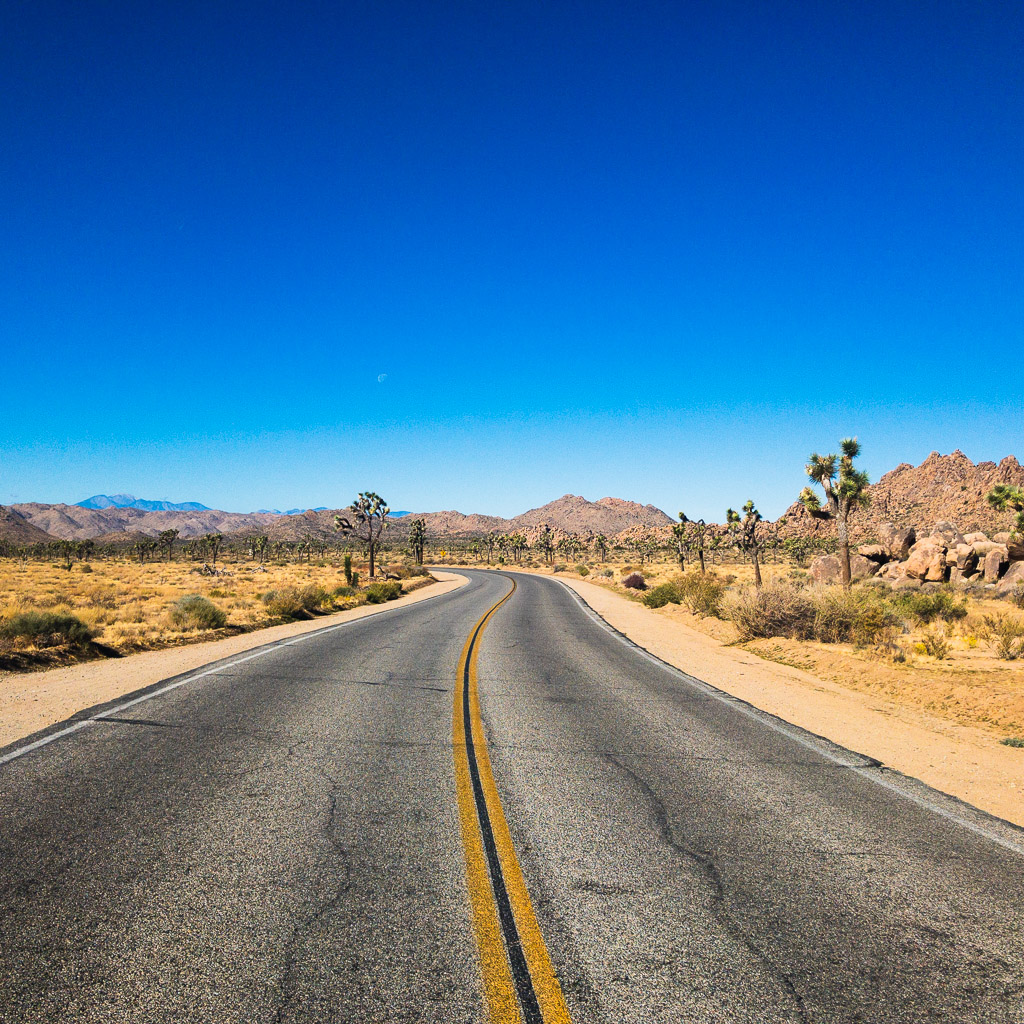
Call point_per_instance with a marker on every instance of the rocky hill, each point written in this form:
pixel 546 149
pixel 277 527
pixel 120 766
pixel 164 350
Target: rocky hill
pixel 943 488
pixel 16 529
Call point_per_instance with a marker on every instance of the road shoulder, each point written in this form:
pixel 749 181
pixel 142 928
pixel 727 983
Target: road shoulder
pixel 33 701
pixel 964 762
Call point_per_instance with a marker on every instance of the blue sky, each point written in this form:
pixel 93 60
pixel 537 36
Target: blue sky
pixel 477 255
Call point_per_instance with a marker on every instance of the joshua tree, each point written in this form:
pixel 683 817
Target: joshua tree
pixel 213 542
pixel 518 544
pixel 487 541
pixel 601 547
pixel 683 540
pixel 85 549
pixel 1006 498
pixel 746 535
pixel 370 512
pixel 695 531
pixel 418 539
pixel 546 542
pixel 845 492
pixel 166 541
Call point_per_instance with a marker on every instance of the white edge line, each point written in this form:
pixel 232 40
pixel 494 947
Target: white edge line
pixel 272 646
pixel 766 718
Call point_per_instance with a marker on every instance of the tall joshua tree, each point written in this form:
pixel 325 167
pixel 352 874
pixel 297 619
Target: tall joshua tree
pixel 167 539
pixel 418 539
pixel 697 529
pixel 845 491
pixel 546 542
pixel 682 539
pixel 370 513
pixel 746 535
pixel 1007 497
pixel 601 547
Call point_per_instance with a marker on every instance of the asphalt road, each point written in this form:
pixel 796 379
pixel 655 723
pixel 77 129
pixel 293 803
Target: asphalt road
pixel 284 839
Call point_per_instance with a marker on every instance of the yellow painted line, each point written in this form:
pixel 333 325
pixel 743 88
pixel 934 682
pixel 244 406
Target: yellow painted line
pixel 498 979
pixel 499 990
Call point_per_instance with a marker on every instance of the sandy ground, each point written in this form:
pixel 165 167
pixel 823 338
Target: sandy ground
pixel 963 761
pixel 33 701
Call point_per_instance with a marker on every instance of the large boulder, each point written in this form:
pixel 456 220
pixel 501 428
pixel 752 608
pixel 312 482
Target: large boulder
pixel 995 558
pixel 828 568
pixel 897 542
pixel 962 557
pixel 1014 578
pixel 948 533
pixel 893 572
pixel 983 547
pixel 1015 547
pixel 976 538
pixel 876 552
pixel 927 561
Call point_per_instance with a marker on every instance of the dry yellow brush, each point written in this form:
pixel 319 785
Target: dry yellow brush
pixel 128 607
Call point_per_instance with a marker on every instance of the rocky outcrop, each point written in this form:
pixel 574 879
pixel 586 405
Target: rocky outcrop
pixel 927 561
pixel 828 568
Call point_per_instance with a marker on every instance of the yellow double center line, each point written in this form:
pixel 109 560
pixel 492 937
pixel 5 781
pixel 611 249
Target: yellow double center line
pixel 519 978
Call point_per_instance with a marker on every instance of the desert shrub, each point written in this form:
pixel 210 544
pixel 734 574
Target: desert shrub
pixel 634 581
pixel 661 595
pixel 1017 595
pixel 608 572
pixel 1012 741
pixel 86 568
pixel 354 582
pixel 418 570
pixel 701 592
pixel 344 591
pixel 776 609
pixel 193 611
pixel 860 616
pixel 927 607
pixel 45 629
pixel 560 567
pixel 1006 635
pixel 313 598
pixel 935 643
pixel 378 593
pixel 583 570
pixel 283 603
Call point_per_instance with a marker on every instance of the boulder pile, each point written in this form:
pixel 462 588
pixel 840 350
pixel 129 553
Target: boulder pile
pixel 943 556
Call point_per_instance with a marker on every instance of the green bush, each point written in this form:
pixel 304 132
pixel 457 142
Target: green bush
pixel 348 571
pixel 583 570
pixel 196 612
pixel 46 629
pixel 313 598
pixel 935 644
pixel 1012 741
pixel 283 604
pixel 560 567
pixel 344 591
pixel 927 607
pixel 354 582
pixel 86 568
pixel 701 592
pixel 608 572
pixel 776 609
pixel 378 593
pixel 1006 635
pixel 661 595
pixel 858 616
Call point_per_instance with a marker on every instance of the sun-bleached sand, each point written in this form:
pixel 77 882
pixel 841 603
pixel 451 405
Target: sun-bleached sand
pixel 32 701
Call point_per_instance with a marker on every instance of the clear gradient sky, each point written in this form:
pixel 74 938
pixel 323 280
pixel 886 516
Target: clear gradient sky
pixel 478 254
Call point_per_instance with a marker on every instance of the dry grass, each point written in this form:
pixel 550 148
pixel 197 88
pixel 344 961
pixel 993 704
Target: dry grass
pixel 131 607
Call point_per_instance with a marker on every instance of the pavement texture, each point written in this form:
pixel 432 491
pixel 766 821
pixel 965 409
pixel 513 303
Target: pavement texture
pixel 280 841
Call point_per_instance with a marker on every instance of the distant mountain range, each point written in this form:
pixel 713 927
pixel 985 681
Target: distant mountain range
pixel 99 501
pixel 290 512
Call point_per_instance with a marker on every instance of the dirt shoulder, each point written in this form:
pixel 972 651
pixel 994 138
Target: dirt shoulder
pixel 29 702
pixel 963 760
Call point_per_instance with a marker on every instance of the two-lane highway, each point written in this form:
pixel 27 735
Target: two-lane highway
pixel 394 820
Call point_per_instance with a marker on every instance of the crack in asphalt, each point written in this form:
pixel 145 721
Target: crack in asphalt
pixel 288 983
pixel 712 876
